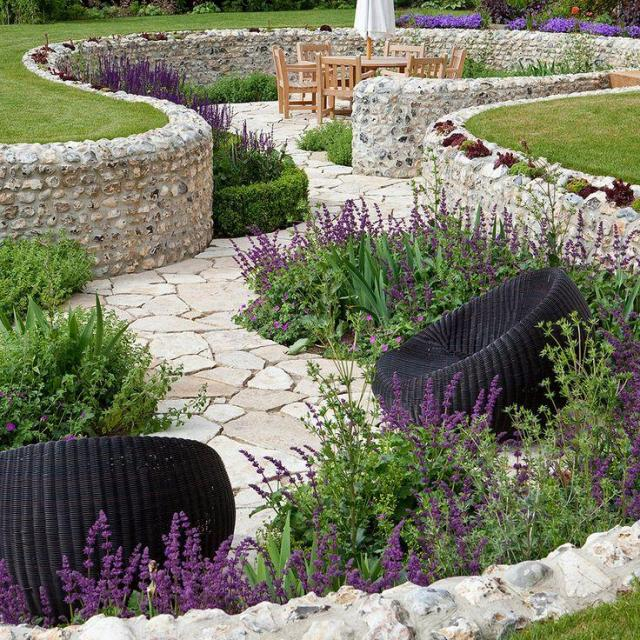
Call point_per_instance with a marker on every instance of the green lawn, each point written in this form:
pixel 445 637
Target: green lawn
pixel 35 110
pixel 597 135
pixel 617 621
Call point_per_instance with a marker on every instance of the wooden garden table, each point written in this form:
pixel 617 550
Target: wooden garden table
pixel 374 63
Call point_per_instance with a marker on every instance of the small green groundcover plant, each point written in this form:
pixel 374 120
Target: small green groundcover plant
pixel 76 373
pixel 254 87
pixel 257 186
pixel 47 269
pixel 334 137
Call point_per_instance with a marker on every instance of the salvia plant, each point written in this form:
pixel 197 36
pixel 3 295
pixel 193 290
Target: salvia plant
pixel 146 78
pixel 382 278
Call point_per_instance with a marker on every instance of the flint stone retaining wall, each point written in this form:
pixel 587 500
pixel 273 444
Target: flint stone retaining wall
pixel 205 55
pixel 473 182
pixel 390 115
pixel 136 203
pixel 486 607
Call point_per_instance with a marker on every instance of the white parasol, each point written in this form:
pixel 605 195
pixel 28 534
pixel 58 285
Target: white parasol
pixel 375 19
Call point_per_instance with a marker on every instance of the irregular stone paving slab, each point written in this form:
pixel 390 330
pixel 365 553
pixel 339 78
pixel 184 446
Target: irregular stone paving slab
pixel 272 378
pixel 256 392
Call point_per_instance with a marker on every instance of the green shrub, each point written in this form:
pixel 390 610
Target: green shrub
pixel 334 137
pixel 206 7
pixel 77 373
pixel 234 165
pixel 525 168
pixel 635 205
pixel 576 185
pixel 256 87
pixel 265 205
pixel 45 269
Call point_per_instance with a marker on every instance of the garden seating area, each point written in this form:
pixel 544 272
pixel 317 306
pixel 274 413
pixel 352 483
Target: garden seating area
pixel 322 79
pixel 265 375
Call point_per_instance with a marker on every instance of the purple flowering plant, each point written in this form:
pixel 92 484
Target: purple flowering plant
pixel 358 273
pixel 440 21
pixel 455 495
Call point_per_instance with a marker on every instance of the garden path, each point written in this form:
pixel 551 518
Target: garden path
pixel 256 393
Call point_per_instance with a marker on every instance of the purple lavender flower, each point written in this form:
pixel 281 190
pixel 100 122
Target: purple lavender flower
pixel 441 21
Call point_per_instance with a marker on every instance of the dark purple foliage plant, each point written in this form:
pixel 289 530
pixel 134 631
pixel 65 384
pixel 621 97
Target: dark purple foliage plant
pixel 454 140
pixel 506 159
pixel 620 193
pixel 444 127
pixel 475 149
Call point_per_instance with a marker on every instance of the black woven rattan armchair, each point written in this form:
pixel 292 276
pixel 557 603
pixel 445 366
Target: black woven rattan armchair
pixel 51 493
pixel 496 334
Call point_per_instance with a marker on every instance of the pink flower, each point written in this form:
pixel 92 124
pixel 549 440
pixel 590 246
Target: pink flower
pixel 385 347
pixel 398 339
pixel 372 340
pixel 10 426
pixel 369 317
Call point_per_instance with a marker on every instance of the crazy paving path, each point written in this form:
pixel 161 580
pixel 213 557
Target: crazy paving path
pixel 256 393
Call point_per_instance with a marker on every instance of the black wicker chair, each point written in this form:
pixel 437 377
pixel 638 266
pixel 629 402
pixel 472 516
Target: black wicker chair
pixel 51 493
pixel 496 334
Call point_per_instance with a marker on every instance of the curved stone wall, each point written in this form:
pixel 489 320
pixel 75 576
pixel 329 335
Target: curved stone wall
pixel 136 203
pixel 205 55
pixel 390 115
pixel 477 182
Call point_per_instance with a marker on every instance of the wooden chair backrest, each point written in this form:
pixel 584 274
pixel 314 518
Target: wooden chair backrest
pixel 280 64
pixel 426 67
pixel 400 50
pixel 308 51
pixel 339 76
pixel 455 66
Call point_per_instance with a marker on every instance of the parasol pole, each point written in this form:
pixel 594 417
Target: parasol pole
pixel 369 47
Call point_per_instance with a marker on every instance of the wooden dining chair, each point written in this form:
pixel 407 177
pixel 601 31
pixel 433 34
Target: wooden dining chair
pixel 426 67
pixel 288 87
pixel 338 77
pixel 401 50
pixel 307 51
pixel 455 65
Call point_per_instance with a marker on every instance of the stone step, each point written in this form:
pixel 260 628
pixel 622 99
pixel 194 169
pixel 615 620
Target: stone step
pixel 624 79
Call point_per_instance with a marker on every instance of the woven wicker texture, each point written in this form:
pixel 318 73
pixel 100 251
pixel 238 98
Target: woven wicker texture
pixel 496 334
pixel 51 493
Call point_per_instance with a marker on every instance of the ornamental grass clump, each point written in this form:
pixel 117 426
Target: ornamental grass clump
pixel 334 137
